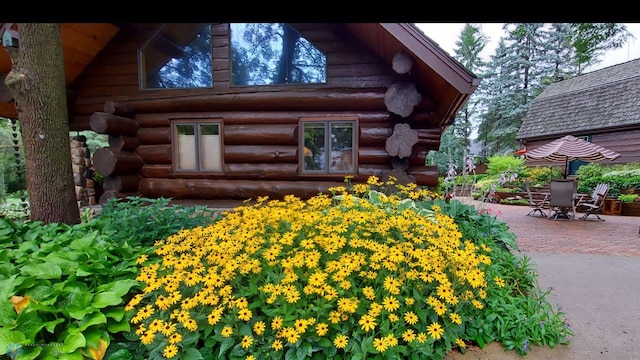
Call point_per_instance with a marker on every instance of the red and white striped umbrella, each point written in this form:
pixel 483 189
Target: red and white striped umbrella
pixel 569 148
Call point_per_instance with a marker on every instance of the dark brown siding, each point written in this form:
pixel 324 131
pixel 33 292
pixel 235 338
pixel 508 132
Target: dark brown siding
pixel 259 123
pixel 626 142
pixel 113 75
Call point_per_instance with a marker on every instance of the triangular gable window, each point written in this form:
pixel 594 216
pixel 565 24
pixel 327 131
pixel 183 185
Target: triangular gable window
pixel 274 54
pixel 177 56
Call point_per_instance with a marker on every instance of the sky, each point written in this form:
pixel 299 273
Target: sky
pixel 446 35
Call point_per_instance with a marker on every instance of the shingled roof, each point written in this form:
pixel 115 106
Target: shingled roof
pixel 594 102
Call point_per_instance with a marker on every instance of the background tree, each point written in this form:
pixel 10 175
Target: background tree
pixel 530 57
pixel 38 86
pixel 591 40
pixel 12 177
pixel 456 139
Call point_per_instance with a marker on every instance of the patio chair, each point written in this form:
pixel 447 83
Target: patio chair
pixel 562 200
pixel 593 204
pixel 537 205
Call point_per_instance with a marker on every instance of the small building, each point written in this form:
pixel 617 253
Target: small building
pixel 243 110
pixel 602 107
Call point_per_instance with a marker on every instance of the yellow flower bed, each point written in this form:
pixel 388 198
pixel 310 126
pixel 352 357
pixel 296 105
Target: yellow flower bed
pixel 351 274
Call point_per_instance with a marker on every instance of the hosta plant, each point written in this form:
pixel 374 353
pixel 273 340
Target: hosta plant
pixel 62 291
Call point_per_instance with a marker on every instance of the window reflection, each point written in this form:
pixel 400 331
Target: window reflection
pixel 328 147
pixel 178 56
pixel 273 53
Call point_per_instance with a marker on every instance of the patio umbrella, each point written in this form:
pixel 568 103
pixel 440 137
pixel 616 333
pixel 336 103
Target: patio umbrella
pixel 570 148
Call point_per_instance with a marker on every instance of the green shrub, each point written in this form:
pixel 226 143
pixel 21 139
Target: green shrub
pixel 619 177
pixel 500 164
pixel 142 221
pixel 542 175
pixel 627 198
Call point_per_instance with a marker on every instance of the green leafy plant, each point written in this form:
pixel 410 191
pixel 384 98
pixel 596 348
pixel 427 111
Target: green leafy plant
pixel 517 312
pixel 15 211
pixel 154 219
pixel 628 198
pixel 514 201
pixel 62 291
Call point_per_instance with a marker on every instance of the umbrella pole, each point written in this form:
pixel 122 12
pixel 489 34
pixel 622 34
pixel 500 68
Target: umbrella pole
pixel 566 166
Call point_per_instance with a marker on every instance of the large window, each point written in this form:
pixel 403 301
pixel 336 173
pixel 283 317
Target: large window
pixel 177 56
pixel 273 53
pixel 328 146
pixel 197 146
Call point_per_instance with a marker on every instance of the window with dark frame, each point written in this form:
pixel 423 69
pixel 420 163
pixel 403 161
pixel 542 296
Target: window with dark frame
pixel 197 146
pixel 328 146
pixel 177 56
pixel 273 54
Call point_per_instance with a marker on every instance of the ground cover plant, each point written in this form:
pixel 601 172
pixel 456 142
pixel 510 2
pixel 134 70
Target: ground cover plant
pixel 358 274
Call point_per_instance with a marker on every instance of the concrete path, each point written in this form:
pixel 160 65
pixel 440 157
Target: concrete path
pixel 593 268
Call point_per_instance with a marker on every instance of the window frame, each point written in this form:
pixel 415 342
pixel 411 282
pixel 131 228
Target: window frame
pixel 232 84
pixel 197 125
pixel 327 122
pixel 142 65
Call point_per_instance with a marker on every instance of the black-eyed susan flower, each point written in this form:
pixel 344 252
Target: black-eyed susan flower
pixel 367 322
pixel 259 327
pixel 322 329
pixel 245 314
pixel 410 318
pixel 409 335
pixel 390 303
pixel 246 342
pixel 380 344
pixel 170 351
pixel 277 345
pixel 276 323
pixel 226 331
pixel 455 318
pixel 341 341
pixel 435 330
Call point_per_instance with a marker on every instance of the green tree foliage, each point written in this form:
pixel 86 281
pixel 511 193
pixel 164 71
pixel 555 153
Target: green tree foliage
pixel 452 148
pixel 12 177
pixel 95 141
pixel 590 41
pixel 455 141
pixel 527 59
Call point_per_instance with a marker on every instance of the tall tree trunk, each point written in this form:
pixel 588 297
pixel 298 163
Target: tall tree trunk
pixel 37 81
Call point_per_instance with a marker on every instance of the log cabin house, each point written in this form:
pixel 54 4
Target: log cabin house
pixel 239 111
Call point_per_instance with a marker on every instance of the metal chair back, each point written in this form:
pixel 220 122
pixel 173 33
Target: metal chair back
pixel 562 193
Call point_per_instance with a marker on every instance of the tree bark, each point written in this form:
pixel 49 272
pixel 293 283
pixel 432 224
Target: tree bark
pixel 37 82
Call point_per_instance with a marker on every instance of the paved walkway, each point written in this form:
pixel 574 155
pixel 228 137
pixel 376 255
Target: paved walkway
pixel 592 268
pixel 617 235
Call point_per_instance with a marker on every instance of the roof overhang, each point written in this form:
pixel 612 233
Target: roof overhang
pixel 81 42
pixel 441 77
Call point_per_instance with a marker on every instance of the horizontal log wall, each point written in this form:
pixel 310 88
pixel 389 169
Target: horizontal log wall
pixel 113 75
pixel 239 189
pixel 259 123
pixel 265 151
